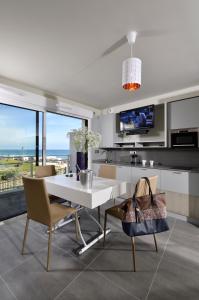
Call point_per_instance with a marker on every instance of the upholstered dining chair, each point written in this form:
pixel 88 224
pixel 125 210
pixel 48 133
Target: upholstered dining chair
pixel 107 171
pixel 115 211
pixel 39 209
pixel 45 171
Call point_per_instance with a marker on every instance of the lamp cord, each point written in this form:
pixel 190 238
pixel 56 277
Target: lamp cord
pixel 131 50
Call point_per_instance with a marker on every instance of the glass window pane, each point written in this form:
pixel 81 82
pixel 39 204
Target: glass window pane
pixel 17 145
pixel 57 142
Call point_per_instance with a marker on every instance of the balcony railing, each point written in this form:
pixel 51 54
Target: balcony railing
pixel 13 168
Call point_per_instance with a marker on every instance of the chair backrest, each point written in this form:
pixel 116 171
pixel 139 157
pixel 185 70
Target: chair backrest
pixel 107 171
pixel 45 171
pixel 143 188
pixel 38 204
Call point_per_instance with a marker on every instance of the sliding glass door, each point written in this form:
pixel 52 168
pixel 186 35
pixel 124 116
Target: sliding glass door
pixel 20 145
pixel 29 138
pixel 58 148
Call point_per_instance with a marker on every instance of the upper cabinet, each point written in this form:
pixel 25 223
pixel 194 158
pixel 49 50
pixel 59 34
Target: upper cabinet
pixel 183 113
pixel 105 124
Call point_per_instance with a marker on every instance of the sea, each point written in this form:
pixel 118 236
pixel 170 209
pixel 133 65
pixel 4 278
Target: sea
pixel 31 152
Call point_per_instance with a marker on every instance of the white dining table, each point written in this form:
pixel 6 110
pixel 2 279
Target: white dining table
pixel 102 190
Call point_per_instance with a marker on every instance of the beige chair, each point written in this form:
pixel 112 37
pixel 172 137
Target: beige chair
pixel 40 210
pixel 45 171
pixel 116 212
pixel 107 171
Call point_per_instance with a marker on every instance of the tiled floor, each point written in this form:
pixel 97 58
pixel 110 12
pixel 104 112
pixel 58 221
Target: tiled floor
pixel 100 273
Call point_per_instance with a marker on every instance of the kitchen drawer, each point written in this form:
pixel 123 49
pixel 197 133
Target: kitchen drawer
pixel 175 181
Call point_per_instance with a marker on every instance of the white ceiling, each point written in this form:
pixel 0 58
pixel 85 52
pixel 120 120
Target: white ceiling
pixel 58 46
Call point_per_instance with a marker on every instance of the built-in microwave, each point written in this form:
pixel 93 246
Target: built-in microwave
pixel 184 138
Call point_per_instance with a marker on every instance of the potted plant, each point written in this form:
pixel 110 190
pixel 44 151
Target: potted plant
pixel 83 140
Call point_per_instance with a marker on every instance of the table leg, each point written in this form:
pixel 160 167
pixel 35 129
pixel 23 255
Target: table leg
pixel 93 240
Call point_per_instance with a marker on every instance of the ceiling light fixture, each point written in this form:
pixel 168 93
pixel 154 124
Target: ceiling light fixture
pixel 131 67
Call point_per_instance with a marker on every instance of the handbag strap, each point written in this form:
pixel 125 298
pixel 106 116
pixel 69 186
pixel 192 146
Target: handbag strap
pixel 136 189
pixel 150 190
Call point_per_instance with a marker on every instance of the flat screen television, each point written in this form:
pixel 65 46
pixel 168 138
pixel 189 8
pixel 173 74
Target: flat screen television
pixel 141 118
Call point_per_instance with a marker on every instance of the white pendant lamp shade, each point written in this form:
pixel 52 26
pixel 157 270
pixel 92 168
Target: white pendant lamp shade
pixel 131 73
pixel 131 68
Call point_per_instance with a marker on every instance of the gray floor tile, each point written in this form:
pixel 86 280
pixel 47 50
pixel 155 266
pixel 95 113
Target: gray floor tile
pixel 183 247
pixel 5 294
pixel 110 268
pixel 117 266
pixel 174 282
pixel 90 285
pixel 10 247
pixel 30 280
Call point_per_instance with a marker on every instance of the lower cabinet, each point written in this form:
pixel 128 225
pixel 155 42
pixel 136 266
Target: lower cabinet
pixel 137 173
pixel 175 181
pixel 181 187
pixel 125 173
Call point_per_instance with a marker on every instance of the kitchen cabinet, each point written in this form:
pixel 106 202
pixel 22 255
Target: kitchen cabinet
pixel 175 181
pixel 181 187
pixel 183 113
pixel 176 186
pixel 137 173
pixel 125 173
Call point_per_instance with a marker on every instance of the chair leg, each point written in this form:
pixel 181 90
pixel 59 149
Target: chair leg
pixel 105 221
pixel 76 226
pixel 49 247
pixel 133 252
pixel 114 201
pixel 156 245
pixel 25 235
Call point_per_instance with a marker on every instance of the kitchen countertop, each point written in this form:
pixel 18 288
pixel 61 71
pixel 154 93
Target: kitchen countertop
pixel 160 167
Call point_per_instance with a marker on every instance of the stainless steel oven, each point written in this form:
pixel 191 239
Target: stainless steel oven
pixel 184 138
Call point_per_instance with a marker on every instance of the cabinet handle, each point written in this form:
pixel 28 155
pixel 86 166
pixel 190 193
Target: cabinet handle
pixel 175 172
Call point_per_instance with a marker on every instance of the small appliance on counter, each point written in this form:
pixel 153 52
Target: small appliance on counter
pixel 134 157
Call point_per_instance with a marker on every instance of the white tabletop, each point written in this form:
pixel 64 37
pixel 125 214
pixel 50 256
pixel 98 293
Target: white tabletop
pixel 70 189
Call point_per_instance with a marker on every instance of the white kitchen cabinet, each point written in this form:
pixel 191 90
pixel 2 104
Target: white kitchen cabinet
pixel 175 181
pixel 183 114
pixel 137 173
pixel 125 173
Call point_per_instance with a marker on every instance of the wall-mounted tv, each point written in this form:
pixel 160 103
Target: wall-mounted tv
pixel 141 118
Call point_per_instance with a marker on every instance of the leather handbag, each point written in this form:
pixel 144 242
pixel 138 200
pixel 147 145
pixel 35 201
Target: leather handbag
pixel 145 214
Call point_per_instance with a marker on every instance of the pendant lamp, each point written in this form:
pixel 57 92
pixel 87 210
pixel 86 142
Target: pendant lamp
pixel 131 67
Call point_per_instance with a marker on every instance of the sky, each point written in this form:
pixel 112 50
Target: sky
pixel 17 129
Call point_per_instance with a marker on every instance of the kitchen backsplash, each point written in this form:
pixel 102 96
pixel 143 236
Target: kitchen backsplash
pixel 185 158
